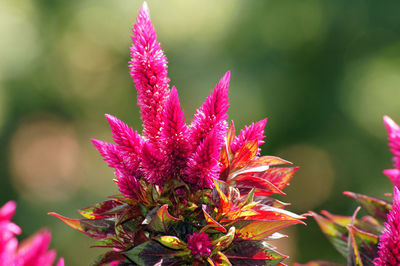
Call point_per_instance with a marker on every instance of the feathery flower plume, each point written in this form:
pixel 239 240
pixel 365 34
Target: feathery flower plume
pixel 389 241
pixel 148 68
pixel 394 143
pixel 250 133
pixel 30 252
pixel 212 114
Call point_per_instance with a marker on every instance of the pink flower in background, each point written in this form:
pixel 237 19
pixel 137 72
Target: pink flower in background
pixel 389 241
pixel 30 252
pixel 168 148
pixel 394 143
pixel 199 244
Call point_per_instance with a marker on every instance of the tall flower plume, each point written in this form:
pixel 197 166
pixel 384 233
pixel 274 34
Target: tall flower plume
pixel 149 72
pixel 389 241
pixel 30 252
pixel 393 130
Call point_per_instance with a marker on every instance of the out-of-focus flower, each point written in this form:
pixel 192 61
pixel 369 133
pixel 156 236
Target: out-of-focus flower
pixel 389 241
pixel 393 130
pixel 30 252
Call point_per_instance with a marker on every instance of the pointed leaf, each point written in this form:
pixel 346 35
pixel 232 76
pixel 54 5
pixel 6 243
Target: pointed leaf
pixel 377 208
pixel 230 136
pixel 100 210
pixel 335 233
pixel 280 177
pixel 110 256
pixel 151 253
pixel 267 160
pixel 171 242
pixel 95 228
pixel 259 230
pixel 162 220
pixel 245 154
pixel 364 245
pixel 219 259
pixel 217 226
pixel 248 181
pixel 224 241
pixel 253 253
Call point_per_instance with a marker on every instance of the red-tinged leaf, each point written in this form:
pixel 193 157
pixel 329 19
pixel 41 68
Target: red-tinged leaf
pixel 95 228
pixel 265 200
pixel 377 208
pixel 219 259
pixel 363 245
pixel 224 159
pixel 338 219
pixel 162 220
pixel 245 154
pixel 335 233
pixel 109 242
pixel 260 230
pixel 230 136
pixel 152 253
pixel 103 209
pixel 217 226
pixel 110 256
pixel 318 263
pixel 224 241
pixel 171 242
pixel 252 252
pixel 271 213
pixel 225 204
pixel 267 160
pixel 354 257
pixel 247 181
pixel 280 177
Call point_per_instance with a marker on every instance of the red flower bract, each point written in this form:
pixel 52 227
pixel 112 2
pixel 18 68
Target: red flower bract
pixel 199 244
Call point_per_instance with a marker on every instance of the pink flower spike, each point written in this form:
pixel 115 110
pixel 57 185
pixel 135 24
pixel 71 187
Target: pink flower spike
pixel 212 114
pixel 34 251
pixel 174 138
pixel 124 136
pixel 109 152
pixel 250 133
pixel 7 211
pixel 152 164
pixel 394 176
pixel 199 244
pixel 394 139
pixel 389 241
pixel 148 68
pixel 202 167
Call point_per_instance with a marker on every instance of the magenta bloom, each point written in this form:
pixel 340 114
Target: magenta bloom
pixel 30 252
pixel 394 144
pixel 168 148
pixel 199 244
pixel 389 241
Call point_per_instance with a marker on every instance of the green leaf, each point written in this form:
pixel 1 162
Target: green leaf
pixel 253 253
pixel 210 221
pixel 377 208
pixel 152 253
pixel 95 228
pixel 260 229
pixel 162 220
pixel 219 259
pixel 362 246
pixel 335 233
pixel 103 209
pixel 224 241
pixel 108 257
pixel 171 242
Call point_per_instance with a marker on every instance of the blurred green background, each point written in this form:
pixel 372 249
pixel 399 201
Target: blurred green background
pixel 323 72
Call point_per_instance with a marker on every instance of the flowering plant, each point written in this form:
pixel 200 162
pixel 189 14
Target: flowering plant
pixel 31 252
pixel 373 239
pixel 190 194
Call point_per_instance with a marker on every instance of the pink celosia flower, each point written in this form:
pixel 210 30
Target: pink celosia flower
pixel 199 244
pixel 31 252
pixel 389 241
pixel 250 133
pixel 394 144
pixel 149 72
